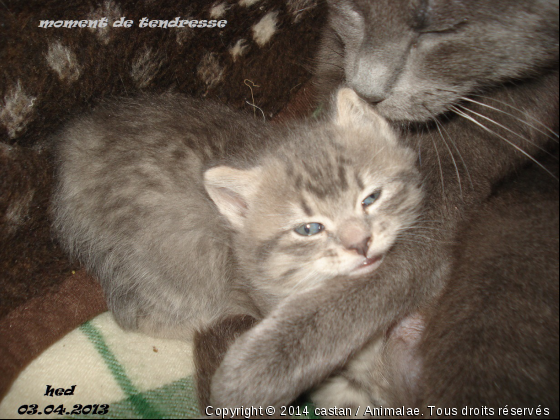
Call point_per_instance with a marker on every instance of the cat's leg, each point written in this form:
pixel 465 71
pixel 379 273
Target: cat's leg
pixel 352 387
pixel 134 311
pixel 210 346
pixel 401 363
pixel 384 373
pixel 170 317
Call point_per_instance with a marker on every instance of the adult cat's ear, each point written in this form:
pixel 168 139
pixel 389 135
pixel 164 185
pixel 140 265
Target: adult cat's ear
pixel 232 190
pixel 354 112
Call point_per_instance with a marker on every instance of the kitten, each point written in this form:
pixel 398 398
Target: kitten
pixel 188 212
pixel 474 87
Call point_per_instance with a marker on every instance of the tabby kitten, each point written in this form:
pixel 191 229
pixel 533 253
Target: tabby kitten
pixel 188 212
pixel 473 85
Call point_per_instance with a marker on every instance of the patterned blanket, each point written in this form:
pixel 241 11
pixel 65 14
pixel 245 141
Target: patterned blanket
pixel 100 371
pixel 107 371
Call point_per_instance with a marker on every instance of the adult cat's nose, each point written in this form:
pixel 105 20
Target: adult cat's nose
pixel 372 99
pixel 373 76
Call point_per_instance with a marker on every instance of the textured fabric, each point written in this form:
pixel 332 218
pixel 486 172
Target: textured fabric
pixel 34 326
pixel 136 375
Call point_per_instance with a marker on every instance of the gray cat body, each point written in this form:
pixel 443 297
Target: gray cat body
pixel 473 86
pixel 188 212
pixel 491 337
pixel 130 198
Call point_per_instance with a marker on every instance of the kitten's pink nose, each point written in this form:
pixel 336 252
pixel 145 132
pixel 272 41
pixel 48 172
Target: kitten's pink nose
pixel 362 248
pixel 355 235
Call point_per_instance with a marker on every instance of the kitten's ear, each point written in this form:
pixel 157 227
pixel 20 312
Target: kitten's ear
pixel 352 111
pixel 232 190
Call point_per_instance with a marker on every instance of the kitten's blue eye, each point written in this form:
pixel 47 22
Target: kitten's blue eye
pixel 309 229
pixel 368 201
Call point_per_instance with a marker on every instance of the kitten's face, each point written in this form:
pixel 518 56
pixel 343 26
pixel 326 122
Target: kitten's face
pixel 337 215
pixel 330 202
pixel 415 58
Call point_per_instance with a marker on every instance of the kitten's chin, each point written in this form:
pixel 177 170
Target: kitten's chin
pixel 368 265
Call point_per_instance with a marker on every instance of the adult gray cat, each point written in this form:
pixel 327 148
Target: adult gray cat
pixel 489 341
pixel 188 212
pixel 494 65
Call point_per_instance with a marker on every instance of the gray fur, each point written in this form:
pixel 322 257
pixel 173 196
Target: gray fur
pixel 129 199
pixel 415 58
pixel 185 210
pixel 494 62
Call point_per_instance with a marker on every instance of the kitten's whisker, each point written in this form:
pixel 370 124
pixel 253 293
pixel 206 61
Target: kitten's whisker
pixel 428 221
pixel 469 118
pixel 447 90
pixel 425 228
pixel 544 126
pixel 412 231
pixel 426 239
pixel 422 227
pixel 406 240
pixel 430 240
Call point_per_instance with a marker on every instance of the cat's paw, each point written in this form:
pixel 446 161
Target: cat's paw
pixel 337 397
pixel 255 371
pixel 293 349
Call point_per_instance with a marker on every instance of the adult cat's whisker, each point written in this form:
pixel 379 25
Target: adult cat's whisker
pixel 469 118
pixel 439 163
pixel 502 126
pixel 307 64
pixel 297 12
pixel 544 126
pixel 440 124
pixel 452 157
pixel 552 137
